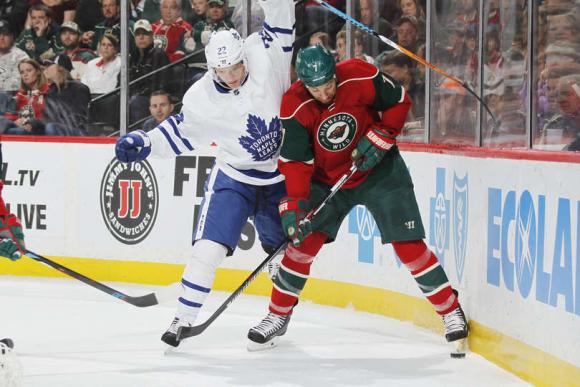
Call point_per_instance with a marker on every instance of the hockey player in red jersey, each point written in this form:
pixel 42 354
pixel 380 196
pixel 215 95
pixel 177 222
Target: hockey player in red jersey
pixel 11 235
pixel 337 114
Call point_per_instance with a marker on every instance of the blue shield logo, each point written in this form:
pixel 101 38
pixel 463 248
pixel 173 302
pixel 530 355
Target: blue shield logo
pixel 460 221
pixel 439 217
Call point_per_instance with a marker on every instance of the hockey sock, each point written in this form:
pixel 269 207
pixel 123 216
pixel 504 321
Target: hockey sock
pixel 428 273
pixel 198 277
pixel 293 273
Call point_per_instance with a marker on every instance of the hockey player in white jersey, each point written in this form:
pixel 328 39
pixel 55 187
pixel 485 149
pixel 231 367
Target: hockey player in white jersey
pixel 236 105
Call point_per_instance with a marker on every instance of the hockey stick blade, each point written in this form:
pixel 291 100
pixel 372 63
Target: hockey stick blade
pixel 185 332
pixel 139 301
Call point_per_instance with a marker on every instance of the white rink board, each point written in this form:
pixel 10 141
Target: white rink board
pixel 518 271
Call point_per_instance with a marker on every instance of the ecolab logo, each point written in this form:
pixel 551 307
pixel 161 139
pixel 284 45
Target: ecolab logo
pixel 516 254
pixel 129 200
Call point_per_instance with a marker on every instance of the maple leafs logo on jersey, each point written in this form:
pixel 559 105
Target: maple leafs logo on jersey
pixel 263 140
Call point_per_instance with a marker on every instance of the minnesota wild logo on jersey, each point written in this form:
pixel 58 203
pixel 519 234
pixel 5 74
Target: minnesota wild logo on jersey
pixel 336 132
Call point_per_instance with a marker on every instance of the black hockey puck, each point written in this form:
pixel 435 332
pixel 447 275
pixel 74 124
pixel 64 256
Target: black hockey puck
pixel 457 355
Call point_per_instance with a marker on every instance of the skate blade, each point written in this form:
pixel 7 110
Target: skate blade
pixel 169 350
pixel 256 347
pixel 460 349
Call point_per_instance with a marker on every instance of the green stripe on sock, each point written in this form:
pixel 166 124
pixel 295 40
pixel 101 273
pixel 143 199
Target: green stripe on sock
pixel 289 282
pixel 432 280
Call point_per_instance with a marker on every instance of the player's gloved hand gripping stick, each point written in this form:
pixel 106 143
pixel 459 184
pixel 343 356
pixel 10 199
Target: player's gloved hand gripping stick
pixel 185 332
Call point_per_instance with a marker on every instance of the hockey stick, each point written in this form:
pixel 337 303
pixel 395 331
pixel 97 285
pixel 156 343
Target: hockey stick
pixel 185 332
pixel 140 301
pixel 410 54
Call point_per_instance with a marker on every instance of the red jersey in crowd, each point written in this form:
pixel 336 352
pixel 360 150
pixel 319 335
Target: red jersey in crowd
pixel 170 37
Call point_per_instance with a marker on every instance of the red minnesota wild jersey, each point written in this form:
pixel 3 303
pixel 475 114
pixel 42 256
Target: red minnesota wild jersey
pixel 319 139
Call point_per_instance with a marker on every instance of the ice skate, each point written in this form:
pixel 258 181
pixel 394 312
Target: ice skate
pixel 170 336
pixel 456 331
pixel 264 335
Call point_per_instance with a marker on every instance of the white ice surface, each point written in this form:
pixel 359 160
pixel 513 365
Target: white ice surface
pixel 69 334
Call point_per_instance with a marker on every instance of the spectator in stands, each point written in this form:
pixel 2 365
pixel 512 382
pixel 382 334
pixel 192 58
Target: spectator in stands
pixel 408 33
pixel 169 32
pixel 111 25
pixel 25 114
pixel 216 21
pixel 144 59
pixel 198 11
pixel 67 100
pixel 40 40
pixel 102 73
pixel 468 15
pixel 358 47
pixel 402 69
pixel 414 8
pixel 62 10
pixel 10 57
pixel 160 106
pixel 136 9
pixel 563 29
pixel 14 12
pixel 370 16
pixel 69 38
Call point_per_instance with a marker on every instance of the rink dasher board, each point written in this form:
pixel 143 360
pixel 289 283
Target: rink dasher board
pixel 505 230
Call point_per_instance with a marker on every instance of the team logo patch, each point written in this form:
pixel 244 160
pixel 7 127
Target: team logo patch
pixel 262 141
pixel 337 132
pixel 129 200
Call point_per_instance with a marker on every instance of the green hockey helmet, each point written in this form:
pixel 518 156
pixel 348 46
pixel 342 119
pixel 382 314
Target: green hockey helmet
pixel 315 65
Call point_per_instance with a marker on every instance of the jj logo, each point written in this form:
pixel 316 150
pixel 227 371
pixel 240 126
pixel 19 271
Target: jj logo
pixel 133 188
pixel 129 200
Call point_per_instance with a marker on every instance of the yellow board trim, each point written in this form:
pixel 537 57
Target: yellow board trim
pixel 521 359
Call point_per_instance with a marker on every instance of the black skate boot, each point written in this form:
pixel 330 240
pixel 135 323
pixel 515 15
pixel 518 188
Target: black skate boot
pixel 262 335
pixel 455 325
pixel 7 342
pixel 170 336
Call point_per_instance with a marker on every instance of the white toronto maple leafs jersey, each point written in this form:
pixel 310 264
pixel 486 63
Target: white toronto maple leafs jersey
pixel 244 123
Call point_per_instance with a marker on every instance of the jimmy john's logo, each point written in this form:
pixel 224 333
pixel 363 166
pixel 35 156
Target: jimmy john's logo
pixel 129 200
pixel 337 132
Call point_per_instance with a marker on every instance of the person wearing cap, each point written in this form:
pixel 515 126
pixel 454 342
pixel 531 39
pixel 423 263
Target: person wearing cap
pixel 67 100
pixel 169 32
pixel 39 40
pixel 10 56
pixel 216 21
pixel 336 117
pixel 144 59
pixel 79 56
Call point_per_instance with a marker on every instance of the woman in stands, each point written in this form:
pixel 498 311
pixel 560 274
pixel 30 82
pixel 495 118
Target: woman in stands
pixel 26 111
pixel 102 73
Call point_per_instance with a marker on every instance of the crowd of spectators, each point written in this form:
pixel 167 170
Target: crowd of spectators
pixel 33 33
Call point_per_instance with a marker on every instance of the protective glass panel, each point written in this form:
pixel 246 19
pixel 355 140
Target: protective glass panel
pixel 454 48
pixel 556 83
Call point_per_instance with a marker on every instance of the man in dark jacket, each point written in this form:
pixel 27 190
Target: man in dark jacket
pixel 144 59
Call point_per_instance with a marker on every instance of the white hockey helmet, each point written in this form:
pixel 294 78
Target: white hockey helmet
pixel 225 48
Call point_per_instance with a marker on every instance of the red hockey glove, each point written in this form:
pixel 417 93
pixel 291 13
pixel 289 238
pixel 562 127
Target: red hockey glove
pixel 11 237
pixel 292 214
pixel 371 148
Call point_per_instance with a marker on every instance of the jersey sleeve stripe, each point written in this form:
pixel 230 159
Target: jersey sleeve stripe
pixel 189 303
pixel 298 108
pixel 173 124
pixel 359 79
pixel 168 138
pixel 285 160
pixel 278 30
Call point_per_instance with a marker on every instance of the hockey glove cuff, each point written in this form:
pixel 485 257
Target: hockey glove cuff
pixel 11 237
pixel 134 146
pixel 292 214
pixel 371 148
